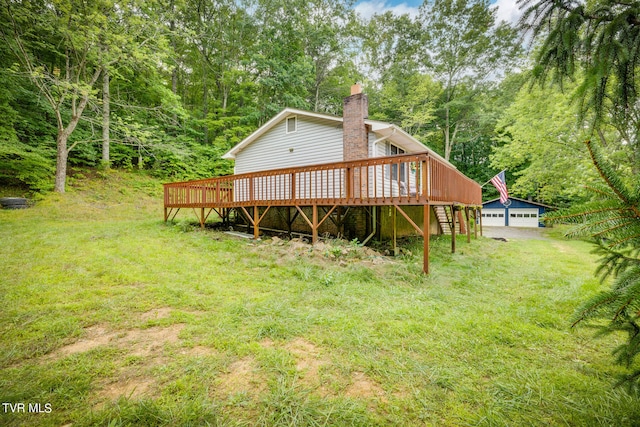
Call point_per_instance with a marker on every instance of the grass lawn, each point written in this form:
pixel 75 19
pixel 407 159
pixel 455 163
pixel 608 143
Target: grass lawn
pixel 108 316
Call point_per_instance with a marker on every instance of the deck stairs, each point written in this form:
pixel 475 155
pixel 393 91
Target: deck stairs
pixel 443 214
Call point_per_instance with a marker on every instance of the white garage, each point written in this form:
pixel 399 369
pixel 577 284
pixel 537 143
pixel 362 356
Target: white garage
pixel 523 217
pixel 493 217
pixel 514 213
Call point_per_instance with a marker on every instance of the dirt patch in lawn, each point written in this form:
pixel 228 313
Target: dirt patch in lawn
pixel 156 314
pixel 138 342
pixel 144 349
pixel 137 381
pixel 150 342
pixel 95 336
pixel 198 351
pixel 308 360
pixel 128 387
pixel 267 343
pixel 241 376
pixel 364 387
pixel 311 365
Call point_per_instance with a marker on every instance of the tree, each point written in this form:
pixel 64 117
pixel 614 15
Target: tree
pixel 64 47
pixel 541 125
pixel 600 39
pixel 391 46
pixel 598 44
pixel 20 163
pixel 327 31
pixel 463 46
pixel 56 46
pixel 409 101
pixel 612 220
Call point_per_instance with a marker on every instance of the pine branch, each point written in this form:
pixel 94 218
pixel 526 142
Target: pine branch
pixel 607 174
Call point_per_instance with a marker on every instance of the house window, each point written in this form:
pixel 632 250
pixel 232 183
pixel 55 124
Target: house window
pixel 393 150
pixel 292 124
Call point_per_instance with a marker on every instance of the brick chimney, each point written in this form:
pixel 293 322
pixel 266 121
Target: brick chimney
pixel 355 135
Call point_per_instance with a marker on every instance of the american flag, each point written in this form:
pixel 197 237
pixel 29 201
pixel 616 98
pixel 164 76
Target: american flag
pixel 500 183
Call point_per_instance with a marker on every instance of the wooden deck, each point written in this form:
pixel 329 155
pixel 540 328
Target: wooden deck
pixel 402 180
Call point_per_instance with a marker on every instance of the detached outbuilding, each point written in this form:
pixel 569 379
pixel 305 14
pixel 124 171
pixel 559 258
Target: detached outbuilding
pixel 514 213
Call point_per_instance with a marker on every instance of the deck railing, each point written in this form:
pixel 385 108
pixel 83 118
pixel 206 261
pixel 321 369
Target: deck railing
pixel 403 179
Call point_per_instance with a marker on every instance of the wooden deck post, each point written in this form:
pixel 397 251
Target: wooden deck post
pixel 394 217
pixel 314 225
pixel 453 229
pixel 426 234
pixel 256 222
pixel 475 223
pixel 468 217
pixel 289 221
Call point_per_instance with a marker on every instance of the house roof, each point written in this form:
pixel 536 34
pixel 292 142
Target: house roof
pixel 385 130
pixel 520 200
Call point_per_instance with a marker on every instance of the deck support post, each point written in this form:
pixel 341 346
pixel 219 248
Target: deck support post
pixel 426 234
pixel 453 229
pixel 256 223
pixel 467 215
pixel 394 242
pixel 166 214
pixel 314 225
pixel 460 213
pixel 480 219
pixel 475 223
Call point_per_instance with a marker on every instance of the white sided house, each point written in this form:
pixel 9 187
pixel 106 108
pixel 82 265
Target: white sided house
pixel 304 172
pixel 301 138
pixel 295 138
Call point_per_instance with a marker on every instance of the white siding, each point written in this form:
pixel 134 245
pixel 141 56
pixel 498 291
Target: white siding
pixel 309 185
pixel 385 187
pixel 315 141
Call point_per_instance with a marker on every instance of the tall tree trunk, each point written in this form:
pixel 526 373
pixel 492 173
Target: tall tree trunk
pixel 447 135
pixel 174 72
pixel 106 108
pixel 61 160
pixel 65 132
pixel 205 104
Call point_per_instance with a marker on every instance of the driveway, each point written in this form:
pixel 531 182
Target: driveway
pixel 514 233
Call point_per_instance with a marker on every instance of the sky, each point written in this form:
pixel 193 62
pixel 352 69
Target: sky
pixel 507 9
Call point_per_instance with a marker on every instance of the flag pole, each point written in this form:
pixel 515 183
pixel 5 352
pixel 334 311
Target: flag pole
pixel 503 170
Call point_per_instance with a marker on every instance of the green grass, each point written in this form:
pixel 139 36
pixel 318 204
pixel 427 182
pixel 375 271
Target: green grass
pixel 115 318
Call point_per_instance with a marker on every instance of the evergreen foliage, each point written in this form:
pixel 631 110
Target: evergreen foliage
pixel 602 38
pixel 612 220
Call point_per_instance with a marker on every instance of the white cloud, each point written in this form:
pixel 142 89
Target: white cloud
pixel 366 9
pixel 507 11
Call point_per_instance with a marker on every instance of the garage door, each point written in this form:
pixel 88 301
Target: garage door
pixel 493 217
pixel 523 217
